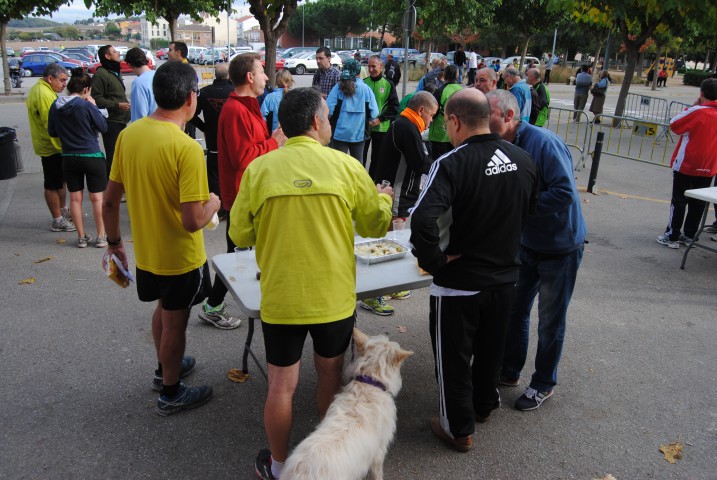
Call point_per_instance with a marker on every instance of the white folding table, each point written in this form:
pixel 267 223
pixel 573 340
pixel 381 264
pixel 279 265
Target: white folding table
pixel 708 195
pixel 238 272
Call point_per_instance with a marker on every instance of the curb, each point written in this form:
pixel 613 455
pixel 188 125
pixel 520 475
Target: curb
pixel 13 98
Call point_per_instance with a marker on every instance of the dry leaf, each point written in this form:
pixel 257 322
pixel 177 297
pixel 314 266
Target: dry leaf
pixel 237 376
pixel 587 200
pixel 60 240
pixel 401 328
pixel 27 281
pixel 623 197
pixel 46 259
pixel 17 254
pixel 606 477
pixel 672 452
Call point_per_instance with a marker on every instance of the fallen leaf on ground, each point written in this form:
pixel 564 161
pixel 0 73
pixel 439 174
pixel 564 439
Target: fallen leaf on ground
pixel 17 254
pixel 623 197
pixel 672 452
pixel 46 259
pixel 237 376
pixel 27 281
pixel 401 328
pixel 606 477
pixel 60 240
pixel 587 200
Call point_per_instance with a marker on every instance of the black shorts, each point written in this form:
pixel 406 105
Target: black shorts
pixel 176 292
pixel 52 172
pixel 285 343
pixel 77 168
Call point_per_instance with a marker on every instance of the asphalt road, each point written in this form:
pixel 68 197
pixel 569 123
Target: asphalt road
pixel 638 369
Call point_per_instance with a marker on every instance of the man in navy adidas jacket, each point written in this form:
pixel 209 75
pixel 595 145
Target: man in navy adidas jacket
pixel 551 248
pixel 466 233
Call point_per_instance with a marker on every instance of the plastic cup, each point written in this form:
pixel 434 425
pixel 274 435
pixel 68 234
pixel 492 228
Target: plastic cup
pixel 398 226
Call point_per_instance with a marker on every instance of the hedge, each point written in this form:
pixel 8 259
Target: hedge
pixel 695 77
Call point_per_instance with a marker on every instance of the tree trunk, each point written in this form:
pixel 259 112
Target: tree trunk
pixel 270 57
pixel 595 71
pixel 525 52
pixel 5 66
pixel 172 20
pixel 656 68
pixel 380 41
pixel 640 63
pixel 626 82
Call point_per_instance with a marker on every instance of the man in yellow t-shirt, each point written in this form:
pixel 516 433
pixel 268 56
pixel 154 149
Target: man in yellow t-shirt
pixel 297 205
pixel 169 203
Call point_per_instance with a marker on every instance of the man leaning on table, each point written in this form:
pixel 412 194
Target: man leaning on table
pixel 308 270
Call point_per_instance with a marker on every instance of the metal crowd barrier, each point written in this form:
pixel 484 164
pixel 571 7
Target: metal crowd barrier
pixel 645 107
pixel 673 109
pixel 630 138
pixel 574 128
pixel 205 74
pixel 634 139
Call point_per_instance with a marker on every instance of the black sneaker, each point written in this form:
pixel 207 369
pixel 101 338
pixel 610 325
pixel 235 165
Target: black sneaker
pixel 532 399
pixel 186 398
pixel 262 467
pixel 187 368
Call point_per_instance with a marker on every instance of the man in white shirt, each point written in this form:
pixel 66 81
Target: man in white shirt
pixel 472 67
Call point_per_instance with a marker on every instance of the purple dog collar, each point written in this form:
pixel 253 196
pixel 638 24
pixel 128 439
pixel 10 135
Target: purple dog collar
pixel 370 381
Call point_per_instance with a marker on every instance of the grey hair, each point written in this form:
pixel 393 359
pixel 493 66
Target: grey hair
pixel 506 101
pixel 511 72
pixel 221 71
pixel 53 70
pixel 534 73
pixel 491 73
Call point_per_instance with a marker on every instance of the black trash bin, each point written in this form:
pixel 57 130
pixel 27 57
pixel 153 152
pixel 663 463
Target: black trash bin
pixel 8 168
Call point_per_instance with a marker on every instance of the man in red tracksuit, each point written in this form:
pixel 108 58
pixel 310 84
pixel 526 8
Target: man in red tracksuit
pixel 694 164
pixel 242 136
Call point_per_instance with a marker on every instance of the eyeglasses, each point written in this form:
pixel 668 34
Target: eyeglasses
pixel 196 90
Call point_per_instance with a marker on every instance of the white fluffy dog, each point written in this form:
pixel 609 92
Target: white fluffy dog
pixel 354 436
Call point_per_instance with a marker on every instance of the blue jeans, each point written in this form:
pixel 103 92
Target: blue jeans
pixel 553 280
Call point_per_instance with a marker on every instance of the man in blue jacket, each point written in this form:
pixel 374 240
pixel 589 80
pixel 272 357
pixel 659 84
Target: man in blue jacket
pixel 551 248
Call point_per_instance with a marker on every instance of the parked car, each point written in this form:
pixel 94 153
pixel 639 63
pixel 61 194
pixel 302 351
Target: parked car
pixel 212 56
pixel 58 56
pixel 489 60
pixel 35 63
pixel 508 62
pixel 25 50
pixel 306 62
pixel 193 53
pixel 89 63
pixel 162 54
pixel 9 52
pixel 125 68
pixel 279 61
pixel 87 52
pixel 397 53
pixel 294 51
pixel 419 59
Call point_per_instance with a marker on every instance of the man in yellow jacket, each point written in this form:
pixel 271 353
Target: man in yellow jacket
pixel 298 205
pixel 39 100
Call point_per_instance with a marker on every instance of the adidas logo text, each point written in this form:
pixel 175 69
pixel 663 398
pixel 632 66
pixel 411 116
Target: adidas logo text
pixel 500 163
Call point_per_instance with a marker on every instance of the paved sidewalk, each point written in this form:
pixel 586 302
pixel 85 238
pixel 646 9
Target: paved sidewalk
pixel 638 368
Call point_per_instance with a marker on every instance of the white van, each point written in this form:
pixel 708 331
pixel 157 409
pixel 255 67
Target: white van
pixel 508 62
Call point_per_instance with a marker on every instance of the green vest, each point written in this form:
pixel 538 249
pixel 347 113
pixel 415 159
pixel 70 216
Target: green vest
pixel 437 132
pixel 381 89
pixel 543 113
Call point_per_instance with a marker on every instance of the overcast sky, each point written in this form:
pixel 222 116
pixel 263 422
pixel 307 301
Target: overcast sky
pixel 77 10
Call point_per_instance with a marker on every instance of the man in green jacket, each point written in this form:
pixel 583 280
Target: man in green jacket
pixel 308 276
pixel 440 143
pixel 108 90
pixel 39 100
pixel 387 100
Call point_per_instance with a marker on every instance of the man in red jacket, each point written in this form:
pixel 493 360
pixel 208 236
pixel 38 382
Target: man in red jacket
pixel 694 164
pixel 242 136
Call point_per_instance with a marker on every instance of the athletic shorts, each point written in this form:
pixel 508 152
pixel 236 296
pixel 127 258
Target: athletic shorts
pixel 177 292
pixel 52 172
pixel 284 344
pixel 77 168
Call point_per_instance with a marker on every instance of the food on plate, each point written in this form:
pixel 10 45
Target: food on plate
pixel 378 249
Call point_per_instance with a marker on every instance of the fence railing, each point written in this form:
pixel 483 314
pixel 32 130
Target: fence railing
pixel 645 107
pixel 625 137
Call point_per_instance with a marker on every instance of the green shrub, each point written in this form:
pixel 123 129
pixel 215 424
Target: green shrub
pixel 682 70
pixel 695 77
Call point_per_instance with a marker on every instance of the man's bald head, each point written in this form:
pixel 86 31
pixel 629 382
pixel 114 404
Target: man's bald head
pixel 470 106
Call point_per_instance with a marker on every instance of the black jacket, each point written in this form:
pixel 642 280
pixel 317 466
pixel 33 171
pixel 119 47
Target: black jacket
pixel 403 159
pixel 474 205
pixel 392 71
pixel 211 101
pixel 459 58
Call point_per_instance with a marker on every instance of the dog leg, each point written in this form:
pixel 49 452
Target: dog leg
pixel 377 467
